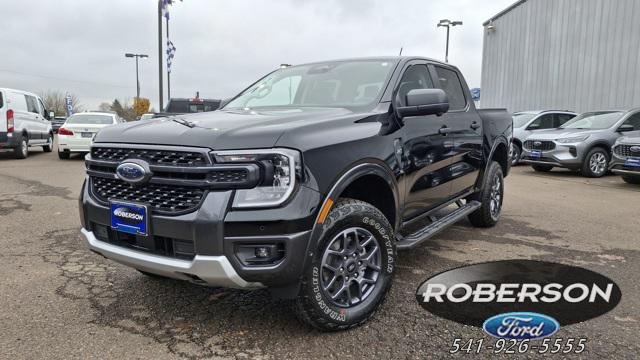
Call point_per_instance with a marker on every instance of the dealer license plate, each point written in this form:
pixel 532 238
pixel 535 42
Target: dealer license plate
pixel 537 154
pixel 129 218
pixel 632 162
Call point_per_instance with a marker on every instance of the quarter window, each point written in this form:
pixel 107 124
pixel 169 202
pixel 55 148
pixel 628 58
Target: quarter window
pixel 451 84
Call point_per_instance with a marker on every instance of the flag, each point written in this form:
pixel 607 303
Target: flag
pixel 165 8
pixel 171 50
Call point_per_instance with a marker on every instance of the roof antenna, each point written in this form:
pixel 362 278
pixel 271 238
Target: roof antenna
pixel 400 51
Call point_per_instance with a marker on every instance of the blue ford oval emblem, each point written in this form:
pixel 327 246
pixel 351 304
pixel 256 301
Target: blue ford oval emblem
pixel 635 149
pixel 521 326
pixel 131 172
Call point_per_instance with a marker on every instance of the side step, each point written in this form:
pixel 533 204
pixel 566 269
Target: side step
pixel 438 225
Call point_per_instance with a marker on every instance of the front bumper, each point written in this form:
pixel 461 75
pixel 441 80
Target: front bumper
pixel 210 270
pixel 205 245
pixel 563 155
pixel 617 166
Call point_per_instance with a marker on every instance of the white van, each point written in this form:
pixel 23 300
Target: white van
pixel 24 122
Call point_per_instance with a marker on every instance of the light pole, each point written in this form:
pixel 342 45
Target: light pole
pixel 130 55
pixel 448 23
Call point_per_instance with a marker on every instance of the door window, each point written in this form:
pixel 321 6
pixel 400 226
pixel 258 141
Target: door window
pixel 41 108
pixel 415 77
pixel 563 118
pixel 32 104
pixel 543 122
pixel 451 84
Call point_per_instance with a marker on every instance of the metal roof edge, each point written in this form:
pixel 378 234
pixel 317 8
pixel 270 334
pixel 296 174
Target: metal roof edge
pixel 503 12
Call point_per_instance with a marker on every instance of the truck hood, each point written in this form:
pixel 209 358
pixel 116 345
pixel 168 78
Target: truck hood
pixel 553 134
pixel 222 129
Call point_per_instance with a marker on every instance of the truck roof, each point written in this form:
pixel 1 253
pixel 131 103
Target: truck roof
pixel 381 58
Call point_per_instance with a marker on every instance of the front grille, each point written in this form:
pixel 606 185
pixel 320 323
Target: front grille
pixel 153 157
pixel 625 150
pixel 539 145
pixel 168 199
pixel 158 245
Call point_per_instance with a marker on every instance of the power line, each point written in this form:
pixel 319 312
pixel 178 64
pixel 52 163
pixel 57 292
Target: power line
pixel 63 79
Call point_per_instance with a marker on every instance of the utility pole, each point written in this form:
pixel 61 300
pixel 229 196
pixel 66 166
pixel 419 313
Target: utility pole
pixel 160 96
pixel 448 23
pixel 137 56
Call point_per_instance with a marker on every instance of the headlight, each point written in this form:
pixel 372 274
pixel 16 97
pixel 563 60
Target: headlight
pixel 572 140
pixel 280 168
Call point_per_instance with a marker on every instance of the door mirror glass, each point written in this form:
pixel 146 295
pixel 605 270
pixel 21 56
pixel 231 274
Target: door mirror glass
pixel 626 128
pixel 421 102
pixel 51 115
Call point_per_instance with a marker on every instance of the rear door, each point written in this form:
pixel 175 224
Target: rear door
pixel 464 130
pixel 425 153
pixel 22 119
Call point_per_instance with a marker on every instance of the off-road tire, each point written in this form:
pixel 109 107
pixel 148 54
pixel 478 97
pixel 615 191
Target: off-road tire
pixel 485 216
pixel 542 168
pixel 313 306
pixel 586 165
pixel 630 179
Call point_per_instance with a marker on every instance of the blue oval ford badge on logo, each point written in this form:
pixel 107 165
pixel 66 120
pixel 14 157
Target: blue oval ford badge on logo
pixel 521 326
pixel 131 172
pixel 635 149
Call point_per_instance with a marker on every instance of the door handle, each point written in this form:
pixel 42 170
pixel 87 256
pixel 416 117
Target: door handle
pixel 475 125
pixel 445 130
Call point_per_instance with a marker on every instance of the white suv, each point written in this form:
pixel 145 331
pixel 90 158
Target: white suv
pixel 24 122
pixel 77 132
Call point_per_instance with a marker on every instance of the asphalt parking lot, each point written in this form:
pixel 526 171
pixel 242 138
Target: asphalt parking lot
pixel 58 300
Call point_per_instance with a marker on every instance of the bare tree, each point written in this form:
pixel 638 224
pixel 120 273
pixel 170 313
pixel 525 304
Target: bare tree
pixel 105 106
pixel 55 101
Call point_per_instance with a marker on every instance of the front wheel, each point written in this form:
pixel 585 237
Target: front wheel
pixel 629 179
pixel 596 163
pixel 490 197
pixel 515 153
pixel 351 269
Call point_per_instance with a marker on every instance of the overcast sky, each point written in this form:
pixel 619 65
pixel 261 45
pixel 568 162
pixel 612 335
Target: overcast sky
pixel 222 46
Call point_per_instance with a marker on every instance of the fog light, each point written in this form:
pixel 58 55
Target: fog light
pixel 263 252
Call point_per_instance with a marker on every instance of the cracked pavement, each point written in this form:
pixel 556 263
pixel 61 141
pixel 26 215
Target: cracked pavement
pixel 60 301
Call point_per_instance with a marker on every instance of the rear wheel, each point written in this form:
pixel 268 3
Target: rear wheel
pixel 490 196
pixel 64 155
pixel 630 179
pixel 596 163
pixel 48 147
pixel 542 168
pixel 22 150
pixel 351 269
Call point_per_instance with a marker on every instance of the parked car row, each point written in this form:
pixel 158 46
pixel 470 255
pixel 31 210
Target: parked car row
pixel 592 143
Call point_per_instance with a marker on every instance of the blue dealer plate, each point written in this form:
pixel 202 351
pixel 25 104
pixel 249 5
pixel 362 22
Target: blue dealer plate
pixel 536 154
pixel 129 218
pixel 632 162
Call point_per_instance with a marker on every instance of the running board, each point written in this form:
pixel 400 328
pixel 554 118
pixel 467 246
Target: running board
pixel 435 227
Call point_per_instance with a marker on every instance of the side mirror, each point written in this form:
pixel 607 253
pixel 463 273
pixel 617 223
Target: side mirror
pixel 626 128
pixel 533 126
pixel 421 102
pixel 51 115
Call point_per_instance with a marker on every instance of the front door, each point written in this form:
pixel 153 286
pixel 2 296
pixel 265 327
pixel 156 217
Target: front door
pixel 425 152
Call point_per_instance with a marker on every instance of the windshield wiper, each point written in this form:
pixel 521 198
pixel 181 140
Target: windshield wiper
pixel 184 122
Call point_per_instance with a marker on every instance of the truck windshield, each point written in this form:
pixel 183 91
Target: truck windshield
pixel 521 119
pixel 597 120
pixel 332 84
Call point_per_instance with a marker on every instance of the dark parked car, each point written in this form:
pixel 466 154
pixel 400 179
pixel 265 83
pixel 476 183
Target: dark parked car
pixel 56 122
pixel 305 183
pixel 626 156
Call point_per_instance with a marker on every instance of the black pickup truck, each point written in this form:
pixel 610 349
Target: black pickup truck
pixel 306 183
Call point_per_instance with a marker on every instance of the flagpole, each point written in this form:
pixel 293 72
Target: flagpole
pixel 168 71
pixel 160 55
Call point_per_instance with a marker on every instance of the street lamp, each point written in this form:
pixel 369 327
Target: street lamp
pixel 130 55
pixel 448 23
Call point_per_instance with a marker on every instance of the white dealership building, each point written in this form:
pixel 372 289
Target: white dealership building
pixel 577 55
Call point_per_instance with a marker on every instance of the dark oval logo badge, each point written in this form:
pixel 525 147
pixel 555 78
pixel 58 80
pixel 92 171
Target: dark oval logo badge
pixel 472 294
pixel 521 326
pixel 635 149
pixel 131 172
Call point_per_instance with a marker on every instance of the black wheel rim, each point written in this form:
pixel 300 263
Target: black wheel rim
pixel 350 267
pixel 495 201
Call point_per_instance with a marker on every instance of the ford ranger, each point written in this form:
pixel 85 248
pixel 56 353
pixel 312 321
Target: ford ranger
pixel 306 183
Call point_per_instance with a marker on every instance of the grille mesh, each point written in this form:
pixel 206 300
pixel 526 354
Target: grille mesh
pixel 625 150
pixel 155 157
pixel 161 198
pixel 544 145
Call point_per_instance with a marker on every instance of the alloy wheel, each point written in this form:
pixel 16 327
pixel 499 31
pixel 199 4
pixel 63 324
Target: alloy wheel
pixel 495 200
pixel 598 163
pixel 350 267
pixel 24 147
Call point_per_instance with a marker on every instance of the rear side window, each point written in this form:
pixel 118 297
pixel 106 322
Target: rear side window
pixel 17 101
pixel 451 84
